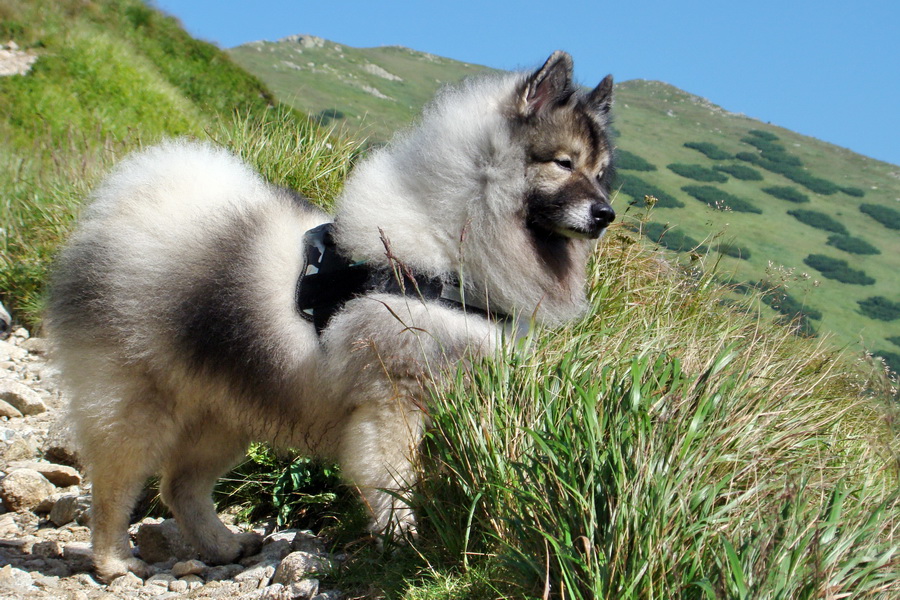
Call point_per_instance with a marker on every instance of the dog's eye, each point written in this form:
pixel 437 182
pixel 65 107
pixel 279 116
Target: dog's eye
pixel 563 163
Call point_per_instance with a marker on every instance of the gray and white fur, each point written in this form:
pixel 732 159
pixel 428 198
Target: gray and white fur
pixel 173 311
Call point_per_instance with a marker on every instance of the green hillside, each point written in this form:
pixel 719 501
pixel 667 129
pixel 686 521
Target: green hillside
pixel 725 183
pixel 371 92
pixel 110 75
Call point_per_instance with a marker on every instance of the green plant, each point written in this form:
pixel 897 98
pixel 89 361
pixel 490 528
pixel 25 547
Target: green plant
pixel 787 193
pixel 853 191
pixel 638 189
pixel 895 339
pixel 673 239
pixel 885 215
pixel 716 198
pixel 853 245
pixel 879 307
pixel 837 269
pixel 708 149
pixel 891 359
pixel 574 463
pixel 818 220
pixel 763 135
pixel 697 172
pixel 632 162
pixel 740 172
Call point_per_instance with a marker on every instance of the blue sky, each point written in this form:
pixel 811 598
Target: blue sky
pixel 823 68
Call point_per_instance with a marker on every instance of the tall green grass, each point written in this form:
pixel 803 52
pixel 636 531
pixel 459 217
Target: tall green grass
pixel 668 447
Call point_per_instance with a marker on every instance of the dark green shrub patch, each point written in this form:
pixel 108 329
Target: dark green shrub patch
pixel 819 220
pixel 637 188
pixel 672 239
pixel 880 308
pixel 750 157
pixel 885 215
pixel 763 135
pixel 891 359
pixel 894 339
pixel 853 191
pixel 716 198
pixel 632 162
pixel 697 173
pixel 839 270
pixel 709 150
pixel 764 145
pixel 853 245
pixel 740 172
pixel 733 250
pixel 786 192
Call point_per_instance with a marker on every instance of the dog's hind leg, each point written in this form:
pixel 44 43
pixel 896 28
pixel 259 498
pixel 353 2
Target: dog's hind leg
pixel 119 464
pixel 203 453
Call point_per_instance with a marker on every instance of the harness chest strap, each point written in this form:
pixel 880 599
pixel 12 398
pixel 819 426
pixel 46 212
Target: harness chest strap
pixel 329 280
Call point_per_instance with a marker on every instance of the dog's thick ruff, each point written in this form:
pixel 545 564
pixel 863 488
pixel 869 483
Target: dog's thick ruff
pixel 173 308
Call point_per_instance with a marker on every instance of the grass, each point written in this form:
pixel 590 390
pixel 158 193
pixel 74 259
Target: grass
pixel 667 421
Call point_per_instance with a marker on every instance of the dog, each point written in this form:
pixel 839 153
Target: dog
pixel 174 306
pixel 5 322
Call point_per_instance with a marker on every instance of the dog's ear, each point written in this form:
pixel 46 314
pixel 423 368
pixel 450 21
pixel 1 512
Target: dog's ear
pixel 548 86
pixel 600 99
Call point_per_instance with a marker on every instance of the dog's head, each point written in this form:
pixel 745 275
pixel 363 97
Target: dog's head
pixel 568 152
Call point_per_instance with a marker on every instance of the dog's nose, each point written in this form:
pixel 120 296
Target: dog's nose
pixel 603 214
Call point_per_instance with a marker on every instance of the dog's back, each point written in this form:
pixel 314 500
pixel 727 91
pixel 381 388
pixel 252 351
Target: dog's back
pixel 174 322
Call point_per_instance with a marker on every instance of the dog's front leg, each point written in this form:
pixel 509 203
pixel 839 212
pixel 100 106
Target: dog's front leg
pixel 378 450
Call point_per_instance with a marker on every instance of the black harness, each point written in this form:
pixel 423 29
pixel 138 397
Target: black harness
pixel 329 280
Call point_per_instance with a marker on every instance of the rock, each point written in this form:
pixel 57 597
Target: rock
pixel 223 572
pixel 126 581
pixel 59 444
pixel 304 589
pixel 48 549
pixel 26 400
pixel 188 567
pixel 8 410
pixel 261 574
pixel 23 489
pixel 15 580
pixel 35 345
pixel 159 541
pixel 306 541
pixel 160 580
pixel 11 352
pixel 193 581
pixel 70 507
pixel 296 566
pixel 20 448
pixel 328 595
pixel 79 556
pixel 179 586
pixel 58 475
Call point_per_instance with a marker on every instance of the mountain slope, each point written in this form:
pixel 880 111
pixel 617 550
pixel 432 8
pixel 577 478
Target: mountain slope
pixel 766 247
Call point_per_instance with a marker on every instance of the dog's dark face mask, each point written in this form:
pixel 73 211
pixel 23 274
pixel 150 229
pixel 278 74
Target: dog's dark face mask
pixel 568 163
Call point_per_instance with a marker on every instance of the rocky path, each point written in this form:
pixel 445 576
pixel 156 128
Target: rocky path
pixel 44 517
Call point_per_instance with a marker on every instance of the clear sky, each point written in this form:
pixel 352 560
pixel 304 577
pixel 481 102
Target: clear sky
pixel 824 68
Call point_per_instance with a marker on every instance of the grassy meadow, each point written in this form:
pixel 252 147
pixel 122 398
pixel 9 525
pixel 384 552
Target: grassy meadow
pixel 674 443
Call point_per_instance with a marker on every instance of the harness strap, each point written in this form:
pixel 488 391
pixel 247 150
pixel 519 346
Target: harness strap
pixel 329 280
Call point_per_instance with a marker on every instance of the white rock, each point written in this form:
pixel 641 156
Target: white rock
pixel 296 566
pixel 160 580
pixel 8 410
pixel 126 581
pixel 68 508
pixel 26 400
pixel 188 567
pixel 58 475
pixel 12 579
pixel 23 489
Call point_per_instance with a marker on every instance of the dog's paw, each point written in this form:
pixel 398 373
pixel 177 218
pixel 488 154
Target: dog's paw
pixel 232 548
pixel 109 568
